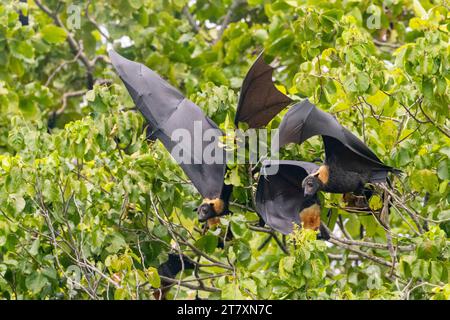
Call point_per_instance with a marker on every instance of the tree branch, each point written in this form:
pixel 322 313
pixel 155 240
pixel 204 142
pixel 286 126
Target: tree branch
pixel 190 286
pixel 91 20
pixel 75 47
pixel 227 18
pixel 190 19
pixel 342 243
pixel 361 253
pixel 433 122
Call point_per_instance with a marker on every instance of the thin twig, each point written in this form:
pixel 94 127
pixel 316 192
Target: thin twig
pixel 227 18
pixel 62 65
pixel 341 243
pixel 433 122
pixel 386 44
pixel 190 286
pixel 384 217
pixel 86 12
pixel 191 19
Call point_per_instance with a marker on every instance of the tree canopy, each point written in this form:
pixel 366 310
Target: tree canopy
pixel 89 209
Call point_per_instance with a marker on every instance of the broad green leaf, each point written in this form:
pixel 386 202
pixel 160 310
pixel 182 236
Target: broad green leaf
pixel 153 277
pixel 36 282
pixel 208 243
pixel 53 34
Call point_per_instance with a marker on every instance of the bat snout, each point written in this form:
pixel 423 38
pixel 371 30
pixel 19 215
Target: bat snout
pixel 205 212
pixel 307 194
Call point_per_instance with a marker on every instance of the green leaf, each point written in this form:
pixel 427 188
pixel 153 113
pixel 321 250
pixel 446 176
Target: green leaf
pixel 427 250
pixel 350 84
pixel 53 34
pixel 20 203
pixel 243 252
pixel 353 225
pixel 427 89
pixel 444 215
pixel 363 81
pixel 370 225
pixel 231 291
pixel 420 269
pixel 120 294
pixel 234 177
pixel 136 4
pixel 436 271
pixel 117 243
pixel 35 247
pixel 22 50
pixel 238 228
pixel 375 202
pixel 36 281
pixel 424 179
pixel 443 170
pixel 441 85
pixel 153 277
pixel 90 95
pixel 208 243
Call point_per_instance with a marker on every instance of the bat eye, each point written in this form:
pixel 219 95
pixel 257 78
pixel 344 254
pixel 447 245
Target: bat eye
pixel 203 209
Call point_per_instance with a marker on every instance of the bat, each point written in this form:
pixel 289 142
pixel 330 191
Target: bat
pixel 167 110
pixel 170 269
pixel 349 164
pixel 22 17
pixel 280 199
pixel 259 100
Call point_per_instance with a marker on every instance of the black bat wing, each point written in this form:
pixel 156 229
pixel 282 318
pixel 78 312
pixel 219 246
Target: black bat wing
pixel 170 115
pixel 173 265
pixel 23 18
pixel 305 120
pixel 279 195
pixel 259 100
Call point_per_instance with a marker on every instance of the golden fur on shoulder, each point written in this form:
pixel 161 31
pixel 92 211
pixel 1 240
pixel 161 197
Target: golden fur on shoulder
pixel 322 174
pixel 310 217
pixel 217 204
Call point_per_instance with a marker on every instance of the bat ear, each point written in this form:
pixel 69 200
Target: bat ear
pixel 316 174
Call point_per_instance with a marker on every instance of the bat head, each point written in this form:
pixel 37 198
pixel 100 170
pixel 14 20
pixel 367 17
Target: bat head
pixel 210 208
pixel 311 184
pixel 205 212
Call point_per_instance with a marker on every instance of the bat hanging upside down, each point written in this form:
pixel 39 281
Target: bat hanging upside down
pixel 166 110
pixel 349 163
pixel 280 198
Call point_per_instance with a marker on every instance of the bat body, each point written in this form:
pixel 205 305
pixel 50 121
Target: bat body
pixel 259 102
pixel 170 269
pixel 211 209
pixel 167 110
pixel 280 199
pixel 349 163
pixel 168 114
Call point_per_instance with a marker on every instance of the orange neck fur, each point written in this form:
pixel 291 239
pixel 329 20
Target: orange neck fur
pixel 323 174
pixel 310 217
pixel 213 222
pixel 217 204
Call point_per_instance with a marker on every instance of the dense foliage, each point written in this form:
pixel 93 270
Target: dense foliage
pixel 90 209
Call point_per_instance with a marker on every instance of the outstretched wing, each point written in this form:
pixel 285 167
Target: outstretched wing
pixel 259 99
pixel 279 195
pixel 305 120
pixel 170 115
